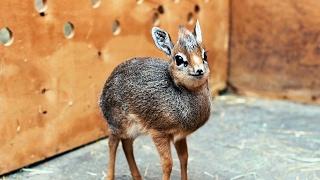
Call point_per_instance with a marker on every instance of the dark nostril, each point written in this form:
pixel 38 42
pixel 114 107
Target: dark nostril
pixel 199 71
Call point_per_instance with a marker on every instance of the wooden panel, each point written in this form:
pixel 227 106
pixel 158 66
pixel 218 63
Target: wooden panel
pixel 50 84
pixel 275 49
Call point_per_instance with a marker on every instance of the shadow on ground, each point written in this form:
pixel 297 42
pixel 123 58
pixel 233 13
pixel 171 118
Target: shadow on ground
pixel 245 138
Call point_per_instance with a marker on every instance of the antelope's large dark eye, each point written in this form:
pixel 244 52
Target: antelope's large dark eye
pixel 205 56
pixel 179 60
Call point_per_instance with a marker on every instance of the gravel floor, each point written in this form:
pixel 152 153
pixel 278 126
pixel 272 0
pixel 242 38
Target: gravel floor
pixel 246 138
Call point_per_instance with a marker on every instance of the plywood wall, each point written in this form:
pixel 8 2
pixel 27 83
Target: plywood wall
pixel 50 82
pixel 275 49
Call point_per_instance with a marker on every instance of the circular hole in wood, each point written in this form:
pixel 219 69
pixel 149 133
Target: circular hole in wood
pixel 116 27
pixel 43 90
pixel 156 19
pixel 68 30
pixel 44 112
pixel 161 9
pixel 190 18
pixel 139 1
pixel 6 37
pixel 313 98
pixel 99 53
pixel 41 5
pixel 95 3
pixel 42 14
pixel 196 8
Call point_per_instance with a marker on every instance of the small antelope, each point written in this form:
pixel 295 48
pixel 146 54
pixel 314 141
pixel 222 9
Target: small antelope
pixel 166 99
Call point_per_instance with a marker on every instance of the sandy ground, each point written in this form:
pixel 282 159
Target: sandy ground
pixel 246 138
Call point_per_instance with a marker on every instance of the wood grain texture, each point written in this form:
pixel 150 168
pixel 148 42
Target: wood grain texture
pixel 49 85
pixel 275 49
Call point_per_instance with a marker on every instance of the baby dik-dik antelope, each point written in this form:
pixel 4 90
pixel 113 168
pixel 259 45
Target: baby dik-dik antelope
pixel 166 99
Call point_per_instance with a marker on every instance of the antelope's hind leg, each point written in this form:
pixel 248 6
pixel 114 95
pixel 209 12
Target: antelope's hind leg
pixel 163 146
pixel 127 145
pixel 113 145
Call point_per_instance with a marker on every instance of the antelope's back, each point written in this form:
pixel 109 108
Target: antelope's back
pixel 141 85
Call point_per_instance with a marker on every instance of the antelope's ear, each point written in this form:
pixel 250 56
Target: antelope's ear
pixel 162 40
pixel 197 32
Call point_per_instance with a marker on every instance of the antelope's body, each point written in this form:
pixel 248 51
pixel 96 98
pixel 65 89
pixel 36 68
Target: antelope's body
pixel 166 99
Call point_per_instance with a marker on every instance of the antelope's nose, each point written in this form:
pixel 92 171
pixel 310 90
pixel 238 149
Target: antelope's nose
pixel 199 72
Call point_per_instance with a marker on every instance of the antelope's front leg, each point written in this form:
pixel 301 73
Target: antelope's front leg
pixel 182 151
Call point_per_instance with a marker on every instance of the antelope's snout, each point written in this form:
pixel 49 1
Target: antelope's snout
pixel 197 66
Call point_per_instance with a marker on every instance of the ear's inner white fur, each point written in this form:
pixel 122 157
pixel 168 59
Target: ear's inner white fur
pixel 197 32
pixel 162 40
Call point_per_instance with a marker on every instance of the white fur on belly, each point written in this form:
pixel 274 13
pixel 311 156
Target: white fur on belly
pixel 179 136
pixel 135 129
